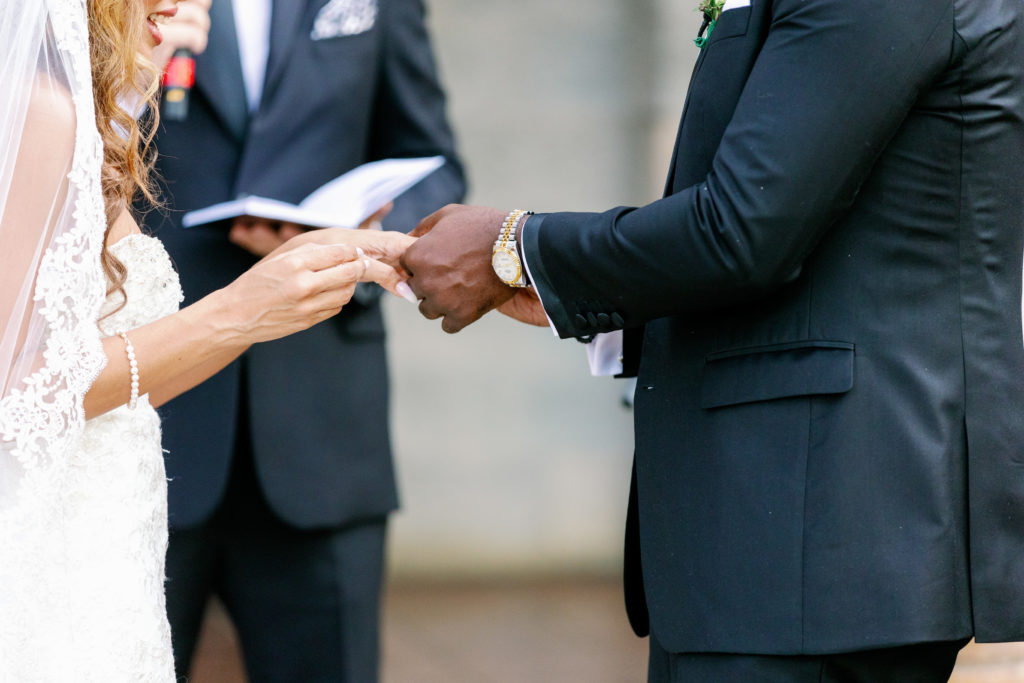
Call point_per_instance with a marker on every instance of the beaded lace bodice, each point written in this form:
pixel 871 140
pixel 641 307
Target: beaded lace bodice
pixel 152 286
pixel 83 572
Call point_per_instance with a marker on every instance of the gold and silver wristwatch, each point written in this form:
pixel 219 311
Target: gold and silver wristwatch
pixel 505 257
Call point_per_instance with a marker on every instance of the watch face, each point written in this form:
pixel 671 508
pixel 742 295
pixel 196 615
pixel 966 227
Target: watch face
pixel 506 265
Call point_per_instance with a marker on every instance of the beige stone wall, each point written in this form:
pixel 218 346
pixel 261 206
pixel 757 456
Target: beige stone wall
pixel 512 458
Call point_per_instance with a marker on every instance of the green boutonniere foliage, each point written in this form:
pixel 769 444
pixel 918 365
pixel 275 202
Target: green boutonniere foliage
pixel 711 9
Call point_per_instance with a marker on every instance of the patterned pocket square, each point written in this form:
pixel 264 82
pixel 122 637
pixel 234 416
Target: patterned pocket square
pixel 344 18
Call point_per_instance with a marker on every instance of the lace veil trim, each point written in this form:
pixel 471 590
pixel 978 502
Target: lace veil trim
pixel 42 414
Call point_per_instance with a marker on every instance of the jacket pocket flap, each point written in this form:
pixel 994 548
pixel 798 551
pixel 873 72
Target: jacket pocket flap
pixel 733 22
pixel 764 373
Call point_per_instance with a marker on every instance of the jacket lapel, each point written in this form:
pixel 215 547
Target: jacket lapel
pixel 219 70
pixel 670 182
pixel 738 24
pixel 285 21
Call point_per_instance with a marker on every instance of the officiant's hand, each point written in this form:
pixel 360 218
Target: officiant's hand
pixel 260 237
pixel 450 265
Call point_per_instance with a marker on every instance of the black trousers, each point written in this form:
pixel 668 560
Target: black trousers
pixel 923 663
pixel 306 603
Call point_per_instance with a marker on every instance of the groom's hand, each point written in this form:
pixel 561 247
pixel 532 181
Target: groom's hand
pixel 450 265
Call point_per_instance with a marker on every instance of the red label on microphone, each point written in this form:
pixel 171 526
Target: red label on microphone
pixel 180 73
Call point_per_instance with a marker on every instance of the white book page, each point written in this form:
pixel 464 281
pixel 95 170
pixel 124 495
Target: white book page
pixel 346 201
pixel 257 207
pixel 361 192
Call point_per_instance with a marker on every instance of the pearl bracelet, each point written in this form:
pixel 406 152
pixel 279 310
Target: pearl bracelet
pixel 133 366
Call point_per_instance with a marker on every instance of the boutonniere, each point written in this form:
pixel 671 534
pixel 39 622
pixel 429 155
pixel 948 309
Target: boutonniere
pixel 711 9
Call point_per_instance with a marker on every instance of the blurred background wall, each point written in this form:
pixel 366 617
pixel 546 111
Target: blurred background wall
pixel 513 461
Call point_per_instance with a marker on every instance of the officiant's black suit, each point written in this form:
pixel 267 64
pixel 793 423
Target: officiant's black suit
pixel 825 313
pixel 299 424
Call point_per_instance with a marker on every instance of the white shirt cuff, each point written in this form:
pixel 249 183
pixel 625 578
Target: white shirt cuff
pixel 604 353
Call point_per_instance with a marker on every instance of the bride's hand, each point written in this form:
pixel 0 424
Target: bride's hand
pixel 295 289
pixel 383 245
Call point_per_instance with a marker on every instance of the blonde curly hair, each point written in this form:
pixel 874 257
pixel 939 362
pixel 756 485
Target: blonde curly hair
pixel 121 75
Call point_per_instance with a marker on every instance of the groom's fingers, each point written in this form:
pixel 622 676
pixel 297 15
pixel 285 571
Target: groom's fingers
pixel 432 309
pixel 428 310
pixel 456 321
pixel 453 320
pixel 453 324
pixel 428 223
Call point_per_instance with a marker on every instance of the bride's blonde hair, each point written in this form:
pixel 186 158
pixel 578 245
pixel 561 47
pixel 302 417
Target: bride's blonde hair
pixel 122 78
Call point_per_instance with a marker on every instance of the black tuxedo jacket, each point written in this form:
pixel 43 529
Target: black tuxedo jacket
pixel 829 411
pixel 317 400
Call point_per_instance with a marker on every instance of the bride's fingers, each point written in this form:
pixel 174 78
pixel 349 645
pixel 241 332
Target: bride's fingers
pixel 363 269
pixel 388 278
pixel 345 275
pixel 319 257
pixel 328 304
pixel 385 246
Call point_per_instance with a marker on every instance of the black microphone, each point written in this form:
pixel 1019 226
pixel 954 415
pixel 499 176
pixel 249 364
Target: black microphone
pixel 179 76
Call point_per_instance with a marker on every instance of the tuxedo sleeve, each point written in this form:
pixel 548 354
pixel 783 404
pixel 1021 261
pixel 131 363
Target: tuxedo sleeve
pixel 409 113
pixel 830 87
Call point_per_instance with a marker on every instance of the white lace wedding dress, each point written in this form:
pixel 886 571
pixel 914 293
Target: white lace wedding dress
pixel 92 554
pixel 83 511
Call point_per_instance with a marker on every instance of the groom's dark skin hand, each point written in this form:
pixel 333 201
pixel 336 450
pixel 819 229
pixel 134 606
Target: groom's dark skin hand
pixel 450 265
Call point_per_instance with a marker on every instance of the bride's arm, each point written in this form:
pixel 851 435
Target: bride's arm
pixel 286 292
pixel 290 290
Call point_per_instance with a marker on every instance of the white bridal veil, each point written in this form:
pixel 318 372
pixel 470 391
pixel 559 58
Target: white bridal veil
pixel 51 233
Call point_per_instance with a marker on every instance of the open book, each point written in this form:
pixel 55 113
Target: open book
pixel 345 202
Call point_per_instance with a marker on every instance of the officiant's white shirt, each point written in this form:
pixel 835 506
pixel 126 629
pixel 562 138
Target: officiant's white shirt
pixel 252 26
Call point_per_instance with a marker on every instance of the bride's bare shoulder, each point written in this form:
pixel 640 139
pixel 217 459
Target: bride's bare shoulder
pixel 50 118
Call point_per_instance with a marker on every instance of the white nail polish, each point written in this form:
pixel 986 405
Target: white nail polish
pixel 359 250
pixel 366 264
pixel 406 292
